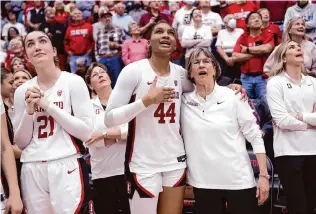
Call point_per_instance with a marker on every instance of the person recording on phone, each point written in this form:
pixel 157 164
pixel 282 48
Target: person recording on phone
pixel 252 50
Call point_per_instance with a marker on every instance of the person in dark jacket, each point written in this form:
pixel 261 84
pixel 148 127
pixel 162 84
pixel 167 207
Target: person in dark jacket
pixel 36 16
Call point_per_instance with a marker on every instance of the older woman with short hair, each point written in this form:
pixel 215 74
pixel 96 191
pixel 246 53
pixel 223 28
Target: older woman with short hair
pixel 215 125
pixel 291 96
pixel 296 31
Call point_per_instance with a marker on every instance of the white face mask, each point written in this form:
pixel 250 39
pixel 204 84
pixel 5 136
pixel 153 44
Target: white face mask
pixel 232 23
pixel 188 1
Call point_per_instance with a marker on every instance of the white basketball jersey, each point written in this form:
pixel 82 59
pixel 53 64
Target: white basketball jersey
pixel 154 142
pixel 50 141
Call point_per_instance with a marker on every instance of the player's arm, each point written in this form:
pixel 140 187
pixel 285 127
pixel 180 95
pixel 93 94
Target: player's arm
pixel 280 115
pixel 23 122
pixel 80 124
pixel 187 85
pixel 119 110
pixel 14 203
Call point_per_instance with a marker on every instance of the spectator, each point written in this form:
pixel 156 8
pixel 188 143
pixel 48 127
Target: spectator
pixel 20 14
pixel 270 28
pixel 86 7
pixel 70 7
pixel 295 31
pixel 12 23
pixel 36 16
pixel 95 15
pixel 17 64
pixel 135 48
pixel 226 41
pixel 182 18
pixel 20 77
pixel 211 19
pixel 291 98
pixel 61 16
pixel 240 10
pixel 177 54
pixel 108 47
pixel 303 9
pixel 98 25
pixel 78 39
pixel 197 35
pixel 56 32
pixel 252 50
pixel 81 67
pixel 149 19
pixel 7 91
pixel 121 19
pixel 138 11
pixel 12 33
pixel 174 7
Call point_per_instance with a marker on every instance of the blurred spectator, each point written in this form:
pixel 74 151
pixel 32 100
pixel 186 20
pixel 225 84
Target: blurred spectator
pixel 252 49
pixel 174 7
pixel 86 7
pixel 270 28
pixel 295 31
pixel 17 64
pixel 3 53
pixel 61 16
pixel 95 13
pixel 36 16
pixel 4 19
pixel 303 9
pixel 16 50
pixel 149 19
pixel 78 40
pixel 99 25
pixel 16 5
pixel 20 14
pixel 70 7
pixel 56 32
pixel 12 33
pixel 135 48
pixel 240 10
pixel 226 41
pixel 12 23
pixel 121 19
pixel 197 35
pixel 177 54
pixel 108 47
pixel 138 11
pixel 210 19
pixel 109 4
pixel 277 10
pixel 20 77
pixel 81 67
pixel 164 8
pixel 182 18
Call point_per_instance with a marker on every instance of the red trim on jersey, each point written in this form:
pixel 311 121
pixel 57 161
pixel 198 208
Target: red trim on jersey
pixel 181 179
pixel 142 188
pixel 82 188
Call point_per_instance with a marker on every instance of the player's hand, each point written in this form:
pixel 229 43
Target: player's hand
pixel 14 205
pixel 263 188
pixel 32 96
pixel 96 136
pixel 238 89
pixel 158 95
pixel 43 103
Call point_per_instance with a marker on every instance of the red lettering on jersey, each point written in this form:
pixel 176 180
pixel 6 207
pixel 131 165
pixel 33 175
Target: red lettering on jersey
pixel 60 104
pixel 41 129
pixel 160 112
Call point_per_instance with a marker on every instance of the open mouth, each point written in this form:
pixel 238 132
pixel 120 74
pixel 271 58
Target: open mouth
pixel 39 54
pixel 102 81
pixel 299 55
pixel 165 43
pixel 202 73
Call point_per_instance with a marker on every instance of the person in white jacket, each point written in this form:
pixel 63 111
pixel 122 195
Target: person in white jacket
pixel 291 96
pixel 215 124
pixel 106 147
pixel 307 10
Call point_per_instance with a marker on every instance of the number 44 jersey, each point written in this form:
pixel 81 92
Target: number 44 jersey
pixel 154 143
pixel 50 140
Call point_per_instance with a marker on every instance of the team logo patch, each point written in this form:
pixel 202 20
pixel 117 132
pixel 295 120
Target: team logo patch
pixel 176 83
pixel 289 85
pixel 59 93
pixel 129 187
pixel 191 103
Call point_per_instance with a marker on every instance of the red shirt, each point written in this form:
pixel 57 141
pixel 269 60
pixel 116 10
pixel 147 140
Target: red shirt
pixel 178 52
pixel 28 65
pixel 275 31
pixel 277 8
pixel 241 11
pixel 256 63
pixel 79 38
pixel 62 17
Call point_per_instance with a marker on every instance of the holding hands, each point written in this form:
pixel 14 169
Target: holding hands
pixel 34 99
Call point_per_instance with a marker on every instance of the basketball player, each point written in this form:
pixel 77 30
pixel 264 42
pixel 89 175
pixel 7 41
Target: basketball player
pixel 54 110
pixel 13 204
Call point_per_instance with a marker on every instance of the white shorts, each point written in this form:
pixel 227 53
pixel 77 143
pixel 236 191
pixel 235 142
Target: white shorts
pixel 55 187
pixel 150 185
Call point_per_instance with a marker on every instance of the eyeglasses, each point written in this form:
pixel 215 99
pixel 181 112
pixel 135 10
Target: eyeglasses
pixel 197 62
